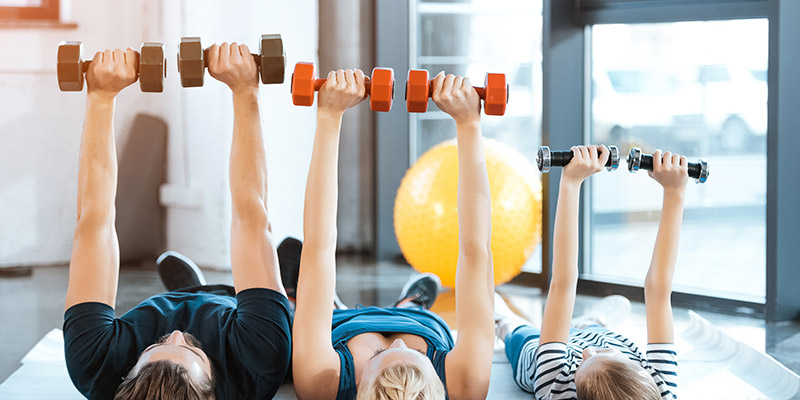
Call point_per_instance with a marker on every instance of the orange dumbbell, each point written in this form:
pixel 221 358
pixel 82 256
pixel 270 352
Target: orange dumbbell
pixel 419 88
pixel 380 88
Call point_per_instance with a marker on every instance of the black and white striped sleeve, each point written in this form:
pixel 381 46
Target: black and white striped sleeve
pixel 552 377
pixel 663 357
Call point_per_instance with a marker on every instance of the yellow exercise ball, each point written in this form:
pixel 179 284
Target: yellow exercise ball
pixel 426 215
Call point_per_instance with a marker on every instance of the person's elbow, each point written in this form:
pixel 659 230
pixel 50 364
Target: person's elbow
pixel 655 288
pixel 92 220
pixel 251 216
pixel 476 251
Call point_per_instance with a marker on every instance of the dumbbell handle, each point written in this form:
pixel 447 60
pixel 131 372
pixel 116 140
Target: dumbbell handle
pixel 85 64
pixel 562 158
pixel 647 164
pixel 480 89
pixel 205 58
pixel 319 82
pixel 545 158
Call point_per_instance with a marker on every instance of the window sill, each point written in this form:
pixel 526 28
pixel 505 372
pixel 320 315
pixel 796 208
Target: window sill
pixel 36 24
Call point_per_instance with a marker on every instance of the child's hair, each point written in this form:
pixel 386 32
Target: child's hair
pixel 617 380
pixel 402 382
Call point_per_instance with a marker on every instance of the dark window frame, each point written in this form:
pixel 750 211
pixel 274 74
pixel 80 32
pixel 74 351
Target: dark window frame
pixel 565 121
pixel 48 10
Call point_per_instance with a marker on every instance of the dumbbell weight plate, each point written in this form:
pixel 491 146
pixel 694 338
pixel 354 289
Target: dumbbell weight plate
pixel 303 84
pixel 152 67
pixel 272 59
pixel 417 90
pixel 191 62
pixel 70 66
pixel 381 92
pixel 496 94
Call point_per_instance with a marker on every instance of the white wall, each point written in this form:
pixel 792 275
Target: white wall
pixel 40 126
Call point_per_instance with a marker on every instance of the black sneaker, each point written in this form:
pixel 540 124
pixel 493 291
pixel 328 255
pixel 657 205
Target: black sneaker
pixel 289 261
pixel 178 271
pixel 421 289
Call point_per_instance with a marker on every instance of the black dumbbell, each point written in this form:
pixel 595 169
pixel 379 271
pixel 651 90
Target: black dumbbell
pixel 193 60
pixel 545 158
pixel 636 161
pixel 71 67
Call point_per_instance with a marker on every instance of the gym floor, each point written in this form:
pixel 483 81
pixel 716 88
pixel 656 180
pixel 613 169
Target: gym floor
pixel 36 302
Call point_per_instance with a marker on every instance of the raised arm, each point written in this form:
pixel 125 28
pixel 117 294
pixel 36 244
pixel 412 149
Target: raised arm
pixel 94 265
pixel 253 257
pixel 469 365
pixel 672 174
pixel 315 363
pixel 564 281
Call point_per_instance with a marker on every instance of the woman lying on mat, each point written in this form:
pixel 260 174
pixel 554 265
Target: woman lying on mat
pixel 404 351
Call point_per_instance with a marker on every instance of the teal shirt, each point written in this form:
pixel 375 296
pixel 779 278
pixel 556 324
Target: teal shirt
pixel 350 323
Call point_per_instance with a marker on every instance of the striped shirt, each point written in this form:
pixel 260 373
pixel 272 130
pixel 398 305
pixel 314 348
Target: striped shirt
pixel 548 371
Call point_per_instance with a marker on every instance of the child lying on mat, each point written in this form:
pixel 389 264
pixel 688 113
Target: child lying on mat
pixel 582 359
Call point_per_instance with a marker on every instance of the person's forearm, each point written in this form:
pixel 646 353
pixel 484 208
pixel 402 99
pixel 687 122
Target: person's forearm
pixel 474 198
pixel 248 164
pixel 321 201
pixel 665 252
pixel 97 176
pixel 565 235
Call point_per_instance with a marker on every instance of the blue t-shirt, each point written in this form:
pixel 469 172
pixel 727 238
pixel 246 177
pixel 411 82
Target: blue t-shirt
pixel 247 339
pixel 350 323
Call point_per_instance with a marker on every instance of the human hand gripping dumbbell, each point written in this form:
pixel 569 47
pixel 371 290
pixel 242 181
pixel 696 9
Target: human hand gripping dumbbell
pixel 193 60
pixel 380 88
pixel 545 158
pixel 419 88
pixel 71 67
pixel 637 160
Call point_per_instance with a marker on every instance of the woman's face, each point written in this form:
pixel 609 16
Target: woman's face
pixel 397 353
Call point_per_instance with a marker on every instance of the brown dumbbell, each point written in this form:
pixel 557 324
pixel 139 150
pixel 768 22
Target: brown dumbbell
pixel 380 88
pixel 419 88
pixel 193 60
pixel 71 67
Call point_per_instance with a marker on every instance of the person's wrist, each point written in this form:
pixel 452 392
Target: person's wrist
pixel 329 114
pixel 675 193
pixel 101 96
pixel 570 182
pixel 245 91
pixel 468 121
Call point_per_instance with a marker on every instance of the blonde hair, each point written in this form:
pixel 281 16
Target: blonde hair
pixel 402 382
pixel 617 380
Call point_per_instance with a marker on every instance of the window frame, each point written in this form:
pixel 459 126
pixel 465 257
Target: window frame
pixel 565 121
pixel 567 42
pixel 48 10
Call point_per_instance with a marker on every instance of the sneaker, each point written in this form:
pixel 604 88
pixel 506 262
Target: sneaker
pixel 421 289
pixel 289 261
pixel 505 320
pixel 178 271
pixel 608 312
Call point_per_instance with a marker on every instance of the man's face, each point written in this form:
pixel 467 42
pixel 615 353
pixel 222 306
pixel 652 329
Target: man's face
pixel 179 348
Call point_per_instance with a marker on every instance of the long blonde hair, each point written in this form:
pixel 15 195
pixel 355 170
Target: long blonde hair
pixel 617 381
pixel 402 382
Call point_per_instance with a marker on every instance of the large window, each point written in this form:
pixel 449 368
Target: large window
pixel 28 10
pixel 699 89
pixel 471 38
